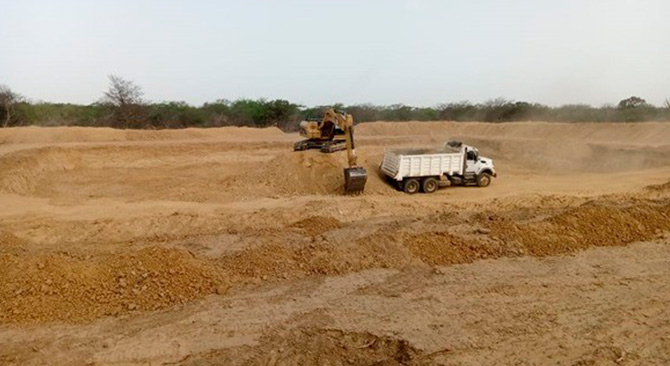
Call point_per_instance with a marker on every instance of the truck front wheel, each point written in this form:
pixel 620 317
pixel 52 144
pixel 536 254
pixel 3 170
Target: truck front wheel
pixel 411 186
pixel 484 179
pixel 430 185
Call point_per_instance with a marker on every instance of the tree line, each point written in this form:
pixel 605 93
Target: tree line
pixel 122 106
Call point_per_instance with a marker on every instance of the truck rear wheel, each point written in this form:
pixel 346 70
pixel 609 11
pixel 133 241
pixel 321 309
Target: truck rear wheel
pixel 430 185
pixel 484 179
pixel 411 186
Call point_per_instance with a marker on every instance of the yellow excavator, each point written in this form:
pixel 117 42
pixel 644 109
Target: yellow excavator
pixel 324 134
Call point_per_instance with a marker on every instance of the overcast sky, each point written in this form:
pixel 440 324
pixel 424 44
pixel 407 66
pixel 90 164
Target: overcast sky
pixel 418 52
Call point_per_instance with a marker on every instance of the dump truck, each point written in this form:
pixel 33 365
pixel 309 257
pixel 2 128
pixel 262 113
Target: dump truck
pixel 414 170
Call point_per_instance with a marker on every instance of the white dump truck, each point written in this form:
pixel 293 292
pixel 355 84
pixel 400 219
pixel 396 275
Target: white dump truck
pixel 427 170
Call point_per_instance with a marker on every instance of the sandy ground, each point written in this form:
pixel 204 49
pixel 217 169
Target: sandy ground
pixel 224 247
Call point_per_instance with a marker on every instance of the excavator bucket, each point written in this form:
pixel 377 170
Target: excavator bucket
pixel 355 179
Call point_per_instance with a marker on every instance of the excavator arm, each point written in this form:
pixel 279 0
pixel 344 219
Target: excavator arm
pixel 355 176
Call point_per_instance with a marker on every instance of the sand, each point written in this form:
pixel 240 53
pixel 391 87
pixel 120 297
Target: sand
pixel 223 246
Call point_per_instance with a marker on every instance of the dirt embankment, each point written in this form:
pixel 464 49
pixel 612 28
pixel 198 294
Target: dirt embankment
pixel 547 147
pixel 29 135
pixel 647 133
pixel 267 167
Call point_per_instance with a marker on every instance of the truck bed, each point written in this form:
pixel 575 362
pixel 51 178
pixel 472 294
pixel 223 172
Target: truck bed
pixel 414 163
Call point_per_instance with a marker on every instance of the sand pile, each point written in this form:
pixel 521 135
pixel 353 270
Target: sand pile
pixel 61 287
pixel 296 173
pixel 307 173
pixel 317 225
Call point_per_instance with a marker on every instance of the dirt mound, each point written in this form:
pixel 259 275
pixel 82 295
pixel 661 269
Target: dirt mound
pixel 296 173
pixel 592 224
pixel 8 239
pixel 317 225
pixel 10 243
pixel 18 135
pixel 61 287
pixel 307 346
pixel 664 187
pixel 443 248
pixel 277 261
pixel 306 173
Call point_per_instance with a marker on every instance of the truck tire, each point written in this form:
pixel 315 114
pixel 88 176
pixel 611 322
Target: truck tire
pixel 484 180
pixel 411 186
pixel 429 185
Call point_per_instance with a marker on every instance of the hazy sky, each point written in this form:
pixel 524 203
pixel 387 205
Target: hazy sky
pixel 419 52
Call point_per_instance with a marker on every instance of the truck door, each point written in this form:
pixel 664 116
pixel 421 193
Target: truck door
pixel 471 157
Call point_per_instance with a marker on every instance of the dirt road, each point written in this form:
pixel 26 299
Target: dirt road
pixel 222 246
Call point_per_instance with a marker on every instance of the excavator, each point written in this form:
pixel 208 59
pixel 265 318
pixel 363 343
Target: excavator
pixel 321 133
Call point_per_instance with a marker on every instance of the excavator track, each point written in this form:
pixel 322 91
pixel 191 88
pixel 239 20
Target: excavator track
pixel 333 146
pixel 324 146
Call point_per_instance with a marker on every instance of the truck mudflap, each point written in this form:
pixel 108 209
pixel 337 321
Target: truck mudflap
pixel 355 179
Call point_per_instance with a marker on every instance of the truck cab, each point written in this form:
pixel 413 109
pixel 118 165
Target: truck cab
pixel 478 169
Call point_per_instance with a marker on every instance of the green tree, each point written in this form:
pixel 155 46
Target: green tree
pixel 217 112
pixel 636 109
pixel 632 102
pixel 281 113
pixel 247 112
